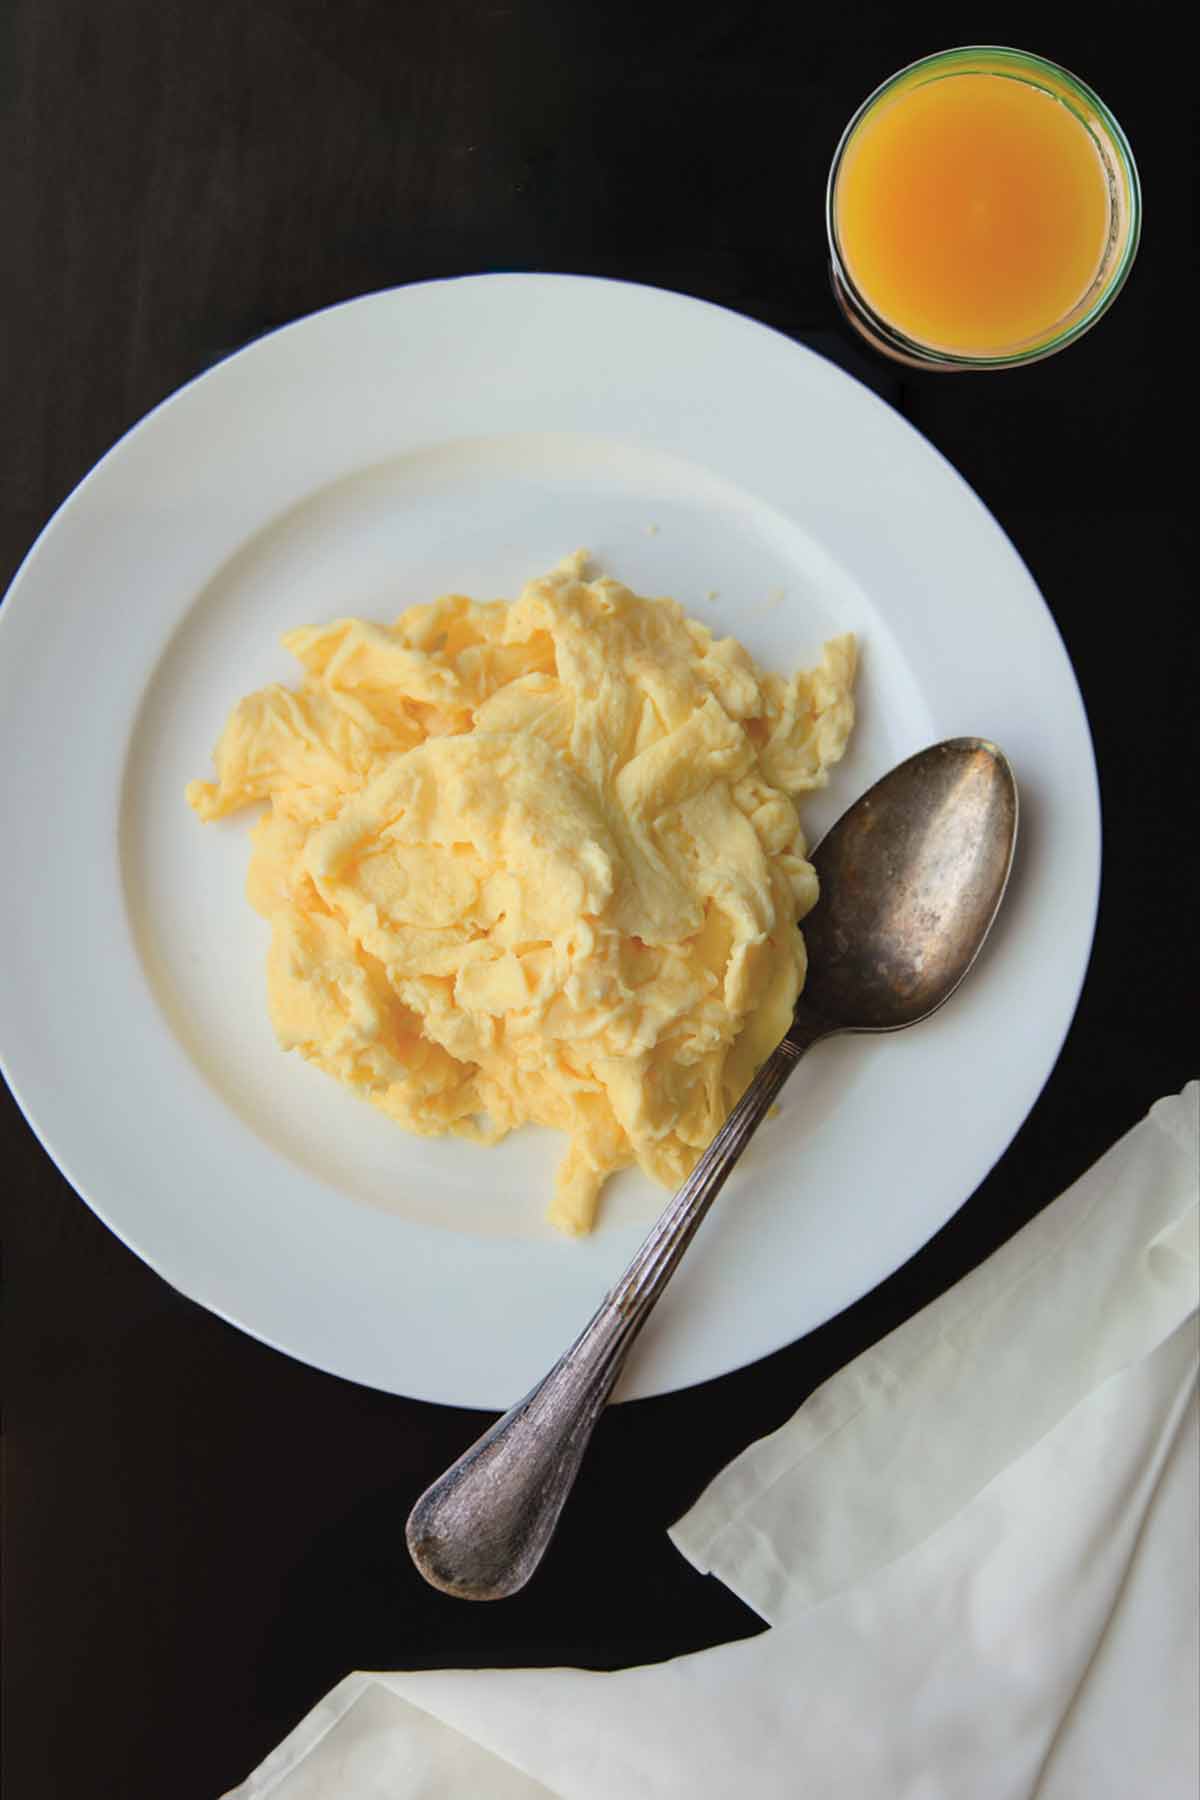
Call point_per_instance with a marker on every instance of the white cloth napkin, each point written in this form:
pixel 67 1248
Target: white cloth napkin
pixel 976 1546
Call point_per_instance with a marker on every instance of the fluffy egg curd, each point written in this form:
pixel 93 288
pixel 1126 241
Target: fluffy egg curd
pixel 536 861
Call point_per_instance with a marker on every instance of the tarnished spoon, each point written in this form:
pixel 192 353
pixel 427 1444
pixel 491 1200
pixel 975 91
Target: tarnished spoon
pixel 911 879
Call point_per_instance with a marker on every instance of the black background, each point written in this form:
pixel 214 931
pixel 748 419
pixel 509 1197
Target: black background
pixel 202 1536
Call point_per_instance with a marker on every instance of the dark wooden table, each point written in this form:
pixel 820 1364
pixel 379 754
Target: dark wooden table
pixel 202 1536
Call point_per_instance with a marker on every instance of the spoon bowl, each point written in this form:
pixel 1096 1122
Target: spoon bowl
pixel 911 880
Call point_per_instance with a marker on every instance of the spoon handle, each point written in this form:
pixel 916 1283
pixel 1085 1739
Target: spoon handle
pixel 481 1529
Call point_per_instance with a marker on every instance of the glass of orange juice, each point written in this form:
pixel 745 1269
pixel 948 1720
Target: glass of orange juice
pixel 983 211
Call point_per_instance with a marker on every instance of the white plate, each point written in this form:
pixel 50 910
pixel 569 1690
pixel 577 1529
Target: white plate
pixel 465 435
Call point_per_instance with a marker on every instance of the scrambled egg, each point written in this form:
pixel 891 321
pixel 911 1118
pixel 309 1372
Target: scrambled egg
pixel 536 861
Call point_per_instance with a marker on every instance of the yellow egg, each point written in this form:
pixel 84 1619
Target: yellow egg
pixel 536 862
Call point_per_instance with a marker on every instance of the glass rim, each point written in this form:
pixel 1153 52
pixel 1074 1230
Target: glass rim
pixel 927 355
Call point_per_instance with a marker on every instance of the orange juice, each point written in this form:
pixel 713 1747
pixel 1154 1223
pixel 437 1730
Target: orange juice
pixel 976 204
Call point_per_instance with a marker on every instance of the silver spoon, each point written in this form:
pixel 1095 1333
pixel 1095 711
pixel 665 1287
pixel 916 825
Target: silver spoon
pixel 911 879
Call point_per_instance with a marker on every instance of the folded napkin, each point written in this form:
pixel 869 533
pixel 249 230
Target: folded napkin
pixel 976 1546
